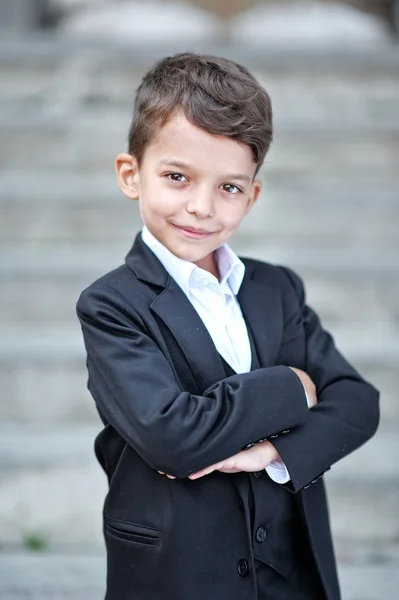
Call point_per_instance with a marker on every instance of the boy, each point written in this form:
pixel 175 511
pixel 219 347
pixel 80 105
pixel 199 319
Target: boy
pixel 223 399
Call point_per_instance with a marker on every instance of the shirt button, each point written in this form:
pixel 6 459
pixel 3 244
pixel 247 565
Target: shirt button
pixel 260 535
pixel 242 568
pixel 258 474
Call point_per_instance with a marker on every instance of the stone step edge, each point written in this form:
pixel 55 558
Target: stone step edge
pixel 33 447
pixel 361 342
pixel 344 129
pixel 357 552
pixel 103 191
pixel 31 260
pixel 50 48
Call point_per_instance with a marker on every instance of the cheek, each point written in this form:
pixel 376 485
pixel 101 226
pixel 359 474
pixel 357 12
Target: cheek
pixel 232 215
pixel 158 201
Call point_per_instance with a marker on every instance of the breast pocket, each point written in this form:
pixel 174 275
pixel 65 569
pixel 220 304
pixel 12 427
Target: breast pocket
pixel 132 532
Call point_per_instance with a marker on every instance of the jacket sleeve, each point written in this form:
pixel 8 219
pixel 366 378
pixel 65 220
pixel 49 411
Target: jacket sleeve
pixel 139 395
pixel 347 412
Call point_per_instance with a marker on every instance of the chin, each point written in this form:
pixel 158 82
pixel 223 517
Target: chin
pixel 190 256
pixel 188 252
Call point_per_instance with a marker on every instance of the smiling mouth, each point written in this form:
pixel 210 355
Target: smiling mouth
pixel 193 232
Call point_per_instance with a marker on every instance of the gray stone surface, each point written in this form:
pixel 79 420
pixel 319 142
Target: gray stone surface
pixel 365 345
pixel 90 209
pixel 61 497
pixel 311 23
pixel 329 210
pixel 306 254
pixel 20 16
pixel 82 577
pixel 52 391
pixel 53 295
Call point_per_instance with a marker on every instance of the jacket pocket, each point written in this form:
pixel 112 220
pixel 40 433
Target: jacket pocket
pixel 131 532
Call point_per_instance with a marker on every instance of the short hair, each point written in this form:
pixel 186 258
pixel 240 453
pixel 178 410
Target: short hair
pixel 216 94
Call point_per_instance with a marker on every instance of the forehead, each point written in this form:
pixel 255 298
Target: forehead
pixel 184 141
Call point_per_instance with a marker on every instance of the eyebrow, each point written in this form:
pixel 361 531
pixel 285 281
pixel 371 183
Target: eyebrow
pixel 182 165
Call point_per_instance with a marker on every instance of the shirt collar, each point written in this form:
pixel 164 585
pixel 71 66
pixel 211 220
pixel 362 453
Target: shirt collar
pixel 231 268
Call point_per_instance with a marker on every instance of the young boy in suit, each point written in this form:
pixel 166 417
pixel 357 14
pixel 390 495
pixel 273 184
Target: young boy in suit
pixel 223 399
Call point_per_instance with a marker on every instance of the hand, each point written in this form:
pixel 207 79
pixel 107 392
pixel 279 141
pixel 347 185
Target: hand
pixel 308 386
pixel 253 459
pixel 168 476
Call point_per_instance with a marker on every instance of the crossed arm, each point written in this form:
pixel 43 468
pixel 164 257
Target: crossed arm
pixel 260 455
pixel 345 415
pixel 181 434
pixel 138 393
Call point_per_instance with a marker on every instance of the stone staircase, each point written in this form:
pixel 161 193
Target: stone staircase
pixel 330 210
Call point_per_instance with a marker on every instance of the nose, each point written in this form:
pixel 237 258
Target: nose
pixel 201 204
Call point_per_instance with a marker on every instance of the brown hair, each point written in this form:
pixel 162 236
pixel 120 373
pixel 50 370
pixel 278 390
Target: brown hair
pixel 215 94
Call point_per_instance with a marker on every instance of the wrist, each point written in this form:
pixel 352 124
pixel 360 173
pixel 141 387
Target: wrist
pixel 271 454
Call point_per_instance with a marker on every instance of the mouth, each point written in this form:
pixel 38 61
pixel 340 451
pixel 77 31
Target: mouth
pixel 193 232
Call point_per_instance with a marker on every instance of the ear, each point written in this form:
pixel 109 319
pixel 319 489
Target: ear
pixel 127 174
pixel 256 189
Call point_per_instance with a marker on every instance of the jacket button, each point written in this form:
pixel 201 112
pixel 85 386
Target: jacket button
pixel 242 568
pixel 261 534
pixel 248 446
pixel 258 474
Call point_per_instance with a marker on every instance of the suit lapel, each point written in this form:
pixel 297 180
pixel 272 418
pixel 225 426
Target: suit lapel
pixel 179 315
pixel 176 311
pixel 262 309
pixel 260 303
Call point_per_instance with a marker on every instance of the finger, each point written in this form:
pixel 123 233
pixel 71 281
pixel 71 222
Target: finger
pixel 161 472
pixel 199 474
pixel 206 471
pixel 170 477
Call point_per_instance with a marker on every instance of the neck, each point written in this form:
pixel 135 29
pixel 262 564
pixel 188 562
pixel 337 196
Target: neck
pixel 208 263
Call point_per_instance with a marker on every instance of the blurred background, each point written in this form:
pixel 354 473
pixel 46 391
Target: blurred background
pixel 330 210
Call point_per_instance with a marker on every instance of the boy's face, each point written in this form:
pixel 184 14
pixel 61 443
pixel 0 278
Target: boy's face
pixel 194 188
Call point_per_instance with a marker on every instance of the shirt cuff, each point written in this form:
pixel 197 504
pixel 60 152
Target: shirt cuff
pixel 278 472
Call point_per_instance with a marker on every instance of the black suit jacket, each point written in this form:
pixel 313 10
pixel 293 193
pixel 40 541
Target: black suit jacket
pixel 161 391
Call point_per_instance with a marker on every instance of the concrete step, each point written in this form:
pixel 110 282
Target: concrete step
pixel 46 50
pixel 37 391
pixel 73 189
pixel 61 489
pixel 338 299
pixel 48 386
pixel 95 211
pixel 82 577
pixel 334 161
pixel 316 256
pixel 329 105
pixel 36 225
pixel 364 343
pixel 78 576
pixel 43 446
pixel 69 144
pixel 363 85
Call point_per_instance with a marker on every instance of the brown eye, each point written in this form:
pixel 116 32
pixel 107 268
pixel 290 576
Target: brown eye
pixel 231 188
pixel 178 177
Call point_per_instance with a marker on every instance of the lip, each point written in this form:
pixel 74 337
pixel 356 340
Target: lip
pixel 193 232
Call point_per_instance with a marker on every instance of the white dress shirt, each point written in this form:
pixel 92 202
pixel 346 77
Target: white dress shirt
pixel 217 305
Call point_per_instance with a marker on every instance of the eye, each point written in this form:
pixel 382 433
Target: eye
pixel 231 188
pixel 177 177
